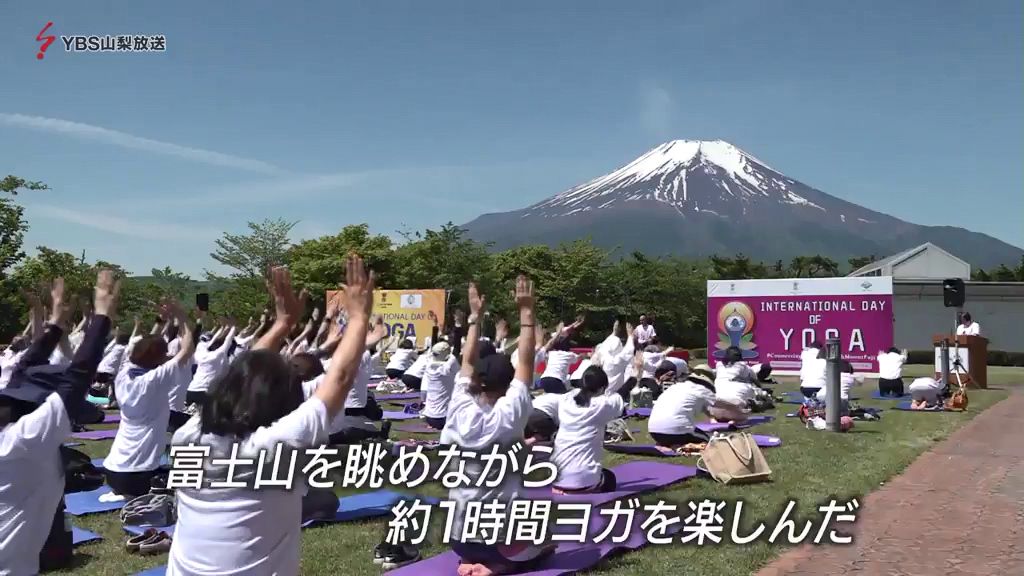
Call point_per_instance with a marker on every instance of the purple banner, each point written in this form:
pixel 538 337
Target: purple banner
pixel 777 328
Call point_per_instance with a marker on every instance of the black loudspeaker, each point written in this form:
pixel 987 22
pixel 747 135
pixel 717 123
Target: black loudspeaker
pixel 953 293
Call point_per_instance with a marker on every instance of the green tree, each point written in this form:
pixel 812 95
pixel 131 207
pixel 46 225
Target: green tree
pixel 861 261
pixel 739 267
pixel 250 255
pixel 319 264
pixel 816 266
pixel 12 220
pixel 443 258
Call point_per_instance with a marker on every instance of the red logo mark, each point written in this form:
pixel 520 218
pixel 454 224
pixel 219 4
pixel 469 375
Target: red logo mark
pixel 46 40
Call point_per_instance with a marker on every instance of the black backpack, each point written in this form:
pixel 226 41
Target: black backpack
pixel 79 473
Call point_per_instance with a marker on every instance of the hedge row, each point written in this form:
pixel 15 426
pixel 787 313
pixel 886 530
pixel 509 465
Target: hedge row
pixel 995 357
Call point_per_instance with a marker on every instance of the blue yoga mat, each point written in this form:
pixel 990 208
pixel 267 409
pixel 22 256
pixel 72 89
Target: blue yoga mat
pixel 80 536
pixel 905 406
pixel 876 396
pixel 158 571
pixel 82 503
pixel 798 398
pixel 395 415
pixel 355 507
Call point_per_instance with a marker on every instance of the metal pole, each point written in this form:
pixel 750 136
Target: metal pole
pixel 833 398
pixel 944 359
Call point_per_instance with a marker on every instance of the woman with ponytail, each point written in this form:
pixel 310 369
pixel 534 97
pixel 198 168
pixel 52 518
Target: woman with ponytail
pixel 583 416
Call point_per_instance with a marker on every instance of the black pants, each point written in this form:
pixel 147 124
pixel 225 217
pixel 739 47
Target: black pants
pixel 372 410
pixel 809 393
pixel 177 420
pixel 490 556
pixel 195 397
pixel 436 423
pixel 887 387
pixel 131 484
pixel 57 551
pixel 608 484
pixel 540 426
pixel 552 385
pixel 652 385
pixel 394 373
pixel 677 440
pixel 319 504
pixel 411 382
pixel 627 387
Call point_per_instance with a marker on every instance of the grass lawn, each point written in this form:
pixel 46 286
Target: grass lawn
pixel 811 467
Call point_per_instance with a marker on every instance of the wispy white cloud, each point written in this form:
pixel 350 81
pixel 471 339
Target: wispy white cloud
pixel 656 110
pixel 123 226
pixel 124 140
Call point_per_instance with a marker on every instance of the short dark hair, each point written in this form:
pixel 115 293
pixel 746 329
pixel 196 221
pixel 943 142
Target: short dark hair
pixel 149 352
pixel 258 389
pixel 306 366
pixel 561 343
pixel 893 350
pixel 19 343
pixel 665 367
pixel 123 339
pixel 732 355
pixel 967 316
pixel 406 344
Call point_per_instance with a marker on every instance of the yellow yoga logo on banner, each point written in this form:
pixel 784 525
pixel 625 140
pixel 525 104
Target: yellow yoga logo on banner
pixel 406 313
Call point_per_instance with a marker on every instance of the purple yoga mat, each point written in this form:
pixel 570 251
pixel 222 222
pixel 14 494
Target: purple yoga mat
pixel 405 396
pixel 417 428
pixel 392 415
pixel 568 558
pixel 96 435
pixel 111 418
pixel 718 426
pixel 405 402
pixel 652 450
pixel 632 478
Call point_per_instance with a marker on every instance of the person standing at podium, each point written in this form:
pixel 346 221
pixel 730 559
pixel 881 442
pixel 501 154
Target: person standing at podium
pixel 968 327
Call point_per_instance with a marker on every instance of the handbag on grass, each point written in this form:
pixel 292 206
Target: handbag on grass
pixel 734 458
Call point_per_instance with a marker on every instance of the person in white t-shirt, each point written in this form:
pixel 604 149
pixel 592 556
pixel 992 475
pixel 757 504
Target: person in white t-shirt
pixel 812 370
pixel 734 380
pixel 890 372
pixel 614 356
pixel 142 389
pixel 258 406
pixel 36 412
pixel 438 384
pixel 579 445
pixel 401 359
pixel 644 334
pixel 559 359
pixel 9 359
pixel 113 357
pixel 490 408
pixel 673 420
pixel 543 423
pixel 967 326
pixel 925 393
pixel 847 380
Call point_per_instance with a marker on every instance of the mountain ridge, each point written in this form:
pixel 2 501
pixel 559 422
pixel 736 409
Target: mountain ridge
pixel 696 198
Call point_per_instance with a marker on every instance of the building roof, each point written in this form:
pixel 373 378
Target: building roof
pixel 899 258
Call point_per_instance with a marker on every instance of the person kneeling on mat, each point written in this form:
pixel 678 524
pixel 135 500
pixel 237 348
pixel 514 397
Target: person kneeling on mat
pixel 490 407
pixel 890 372
pixel 401 360
pixel 926 393
pixel 847 380
pixel 36 410
pixel 673 419
pixel 583 417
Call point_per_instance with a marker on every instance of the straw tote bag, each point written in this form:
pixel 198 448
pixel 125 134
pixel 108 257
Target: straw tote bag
pixel 734 458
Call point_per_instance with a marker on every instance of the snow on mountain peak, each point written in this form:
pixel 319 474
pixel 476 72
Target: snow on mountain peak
pixel 663 173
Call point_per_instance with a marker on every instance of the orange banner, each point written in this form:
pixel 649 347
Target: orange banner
pixel 405 312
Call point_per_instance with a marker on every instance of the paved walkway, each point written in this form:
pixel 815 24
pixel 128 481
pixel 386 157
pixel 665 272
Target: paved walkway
pixel 957 510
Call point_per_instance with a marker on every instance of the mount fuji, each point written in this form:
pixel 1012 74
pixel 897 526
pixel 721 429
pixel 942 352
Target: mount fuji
pixel 699 198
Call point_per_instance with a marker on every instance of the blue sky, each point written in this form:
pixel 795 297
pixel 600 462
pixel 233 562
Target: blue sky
pixel 410 114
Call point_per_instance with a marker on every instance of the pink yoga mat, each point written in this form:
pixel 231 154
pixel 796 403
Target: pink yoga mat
pixel 568 557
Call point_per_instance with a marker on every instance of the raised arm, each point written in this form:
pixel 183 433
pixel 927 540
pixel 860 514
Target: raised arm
pixel 36 316
pixel 288 308
pixel 174 311
pixel 344 366
pixel 525 300
pixel 476 311
pixel 373 337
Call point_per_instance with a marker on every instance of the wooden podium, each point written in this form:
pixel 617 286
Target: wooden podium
pixel 973 355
